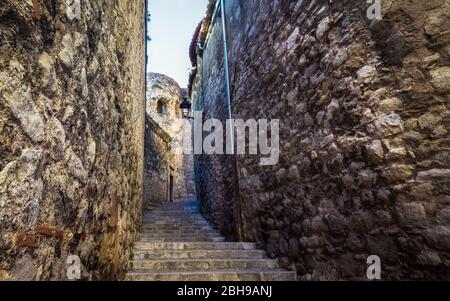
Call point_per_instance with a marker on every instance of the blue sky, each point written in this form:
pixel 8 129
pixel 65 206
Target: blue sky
pixel 171 28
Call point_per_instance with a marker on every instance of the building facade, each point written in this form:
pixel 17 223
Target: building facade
pixel 169 174
pixel 364 164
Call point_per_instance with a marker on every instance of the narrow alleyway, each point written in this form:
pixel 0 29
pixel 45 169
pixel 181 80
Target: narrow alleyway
pixel 177 244
pixel 350 99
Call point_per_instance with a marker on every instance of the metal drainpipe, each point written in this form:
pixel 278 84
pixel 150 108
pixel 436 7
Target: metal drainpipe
pixel 231 123
pixel 227 75
pixel 220 4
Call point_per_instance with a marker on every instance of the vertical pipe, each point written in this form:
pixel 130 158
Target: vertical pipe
pixel 227 80
pixel 230 132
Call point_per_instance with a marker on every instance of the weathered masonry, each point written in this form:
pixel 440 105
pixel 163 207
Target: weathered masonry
pixel 169 175
pixel 72 105
pixel 364 109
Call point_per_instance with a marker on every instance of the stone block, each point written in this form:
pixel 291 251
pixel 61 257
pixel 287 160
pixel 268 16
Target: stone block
pixel 434 175
pixel 389 125
pixel 412 214
pixel 438 238
pixel 441 79
pixel 49 231
pixel 26 241
pixel 398 173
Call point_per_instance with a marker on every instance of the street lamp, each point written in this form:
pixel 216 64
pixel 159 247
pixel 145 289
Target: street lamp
pixel 185 107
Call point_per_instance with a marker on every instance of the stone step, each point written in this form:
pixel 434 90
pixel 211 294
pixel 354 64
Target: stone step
pixel 183 230
pixel 179 231
pixel 176 224
pixel 183 239
pixel 180 234
pixel 170 228
pixel 175 237
pixel 202 264
pixel 176 227
pixel 178 244
pixel 173 217
pixel 196 246
pixel 173 208
pixel 216 275
pixel 179 219
pixel 198 254
pixel 186 214
pixel 179 205
pixel 182 218
pixel 172 212
pixel 169 217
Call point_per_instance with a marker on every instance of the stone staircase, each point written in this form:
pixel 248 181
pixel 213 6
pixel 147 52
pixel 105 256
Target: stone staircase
pixel 177 244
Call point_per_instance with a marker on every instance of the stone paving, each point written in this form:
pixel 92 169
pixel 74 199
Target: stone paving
pixel 177 244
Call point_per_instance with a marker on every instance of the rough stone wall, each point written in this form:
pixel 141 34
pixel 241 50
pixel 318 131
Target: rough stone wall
pixel 364 109
pixel 186 188
pixel 164 133
pixel 215 174
pixel 158 159
pixel 72 102
pixel 164 90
